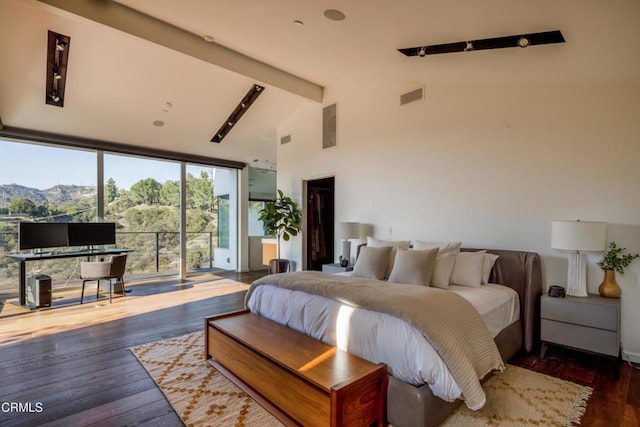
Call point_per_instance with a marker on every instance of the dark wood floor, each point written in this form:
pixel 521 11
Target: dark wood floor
pixel 87 376
pixel 613 403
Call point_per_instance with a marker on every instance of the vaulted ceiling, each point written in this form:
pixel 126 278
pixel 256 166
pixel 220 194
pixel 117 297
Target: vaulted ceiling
pixel 120 80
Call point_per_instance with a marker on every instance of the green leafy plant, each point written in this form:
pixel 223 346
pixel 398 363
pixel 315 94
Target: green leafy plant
pixel 281 218
pixel 616 258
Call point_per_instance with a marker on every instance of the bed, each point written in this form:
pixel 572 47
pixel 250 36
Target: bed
pixel 411 401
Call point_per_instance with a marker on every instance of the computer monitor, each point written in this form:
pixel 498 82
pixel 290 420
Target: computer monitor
pixel 38 235
pixel 92 233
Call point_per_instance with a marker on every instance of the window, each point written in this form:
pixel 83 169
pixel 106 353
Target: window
pixel 47 183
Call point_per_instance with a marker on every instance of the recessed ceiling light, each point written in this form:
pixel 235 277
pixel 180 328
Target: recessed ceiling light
pixel 158 123
pixel 334 15
pixel 208 38
pixel 298 23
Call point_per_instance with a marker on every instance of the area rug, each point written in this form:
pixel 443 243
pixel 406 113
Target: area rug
pixel 202 396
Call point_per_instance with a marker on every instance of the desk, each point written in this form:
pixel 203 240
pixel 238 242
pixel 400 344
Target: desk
pixel 23 258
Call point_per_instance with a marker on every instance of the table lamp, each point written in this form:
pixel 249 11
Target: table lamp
pixel 578 237
pixel 346 231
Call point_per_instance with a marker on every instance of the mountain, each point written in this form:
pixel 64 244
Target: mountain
pixel 58 195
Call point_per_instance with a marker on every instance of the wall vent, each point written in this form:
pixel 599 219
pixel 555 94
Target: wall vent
pixel 285 139
pixel 414 95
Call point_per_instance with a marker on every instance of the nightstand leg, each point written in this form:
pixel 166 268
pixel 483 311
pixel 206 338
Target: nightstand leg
pixel 543 350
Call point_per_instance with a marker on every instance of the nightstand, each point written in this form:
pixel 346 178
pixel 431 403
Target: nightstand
pixel 590 324
pixel 335 268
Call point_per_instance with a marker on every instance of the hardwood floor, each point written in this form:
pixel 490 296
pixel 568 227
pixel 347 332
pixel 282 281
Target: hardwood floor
pixel 613 403
pixel 75 362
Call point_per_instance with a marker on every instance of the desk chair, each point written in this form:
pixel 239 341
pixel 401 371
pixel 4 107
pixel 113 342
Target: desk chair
pixel 103 270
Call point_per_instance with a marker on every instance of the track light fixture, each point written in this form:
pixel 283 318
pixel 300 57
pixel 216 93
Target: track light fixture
pixel 238 112
pixel 57 60
pixel 519 40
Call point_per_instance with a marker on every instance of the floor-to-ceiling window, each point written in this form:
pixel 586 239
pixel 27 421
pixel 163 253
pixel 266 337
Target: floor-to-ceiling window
pixel 41 183
pixel 202 218
pixel 142 197
pixel 47 183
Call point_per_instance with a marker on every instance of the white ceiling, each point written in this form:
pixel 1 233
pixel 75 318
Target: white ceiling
pixel 118 84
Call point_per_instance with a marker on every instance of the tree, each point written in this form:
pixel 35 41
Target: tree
pixel 170 193
pixel 200 192
pixel 146 191
pixel 22 205
pixel 110 190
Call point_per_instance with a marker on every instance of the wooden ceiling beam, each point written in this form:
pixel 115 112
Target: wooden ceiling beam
pixel 131 21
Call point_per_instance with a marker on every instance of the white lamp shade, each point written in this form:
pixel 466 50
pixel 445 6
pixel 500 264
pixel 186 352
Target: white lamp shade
pixel 585 236
pixel 348 230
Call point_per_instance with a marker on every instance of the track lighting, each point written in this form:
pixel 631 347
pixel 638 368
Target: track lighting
pixel 240 109
pixel 60 45
pixel 516 40
pixel 57 59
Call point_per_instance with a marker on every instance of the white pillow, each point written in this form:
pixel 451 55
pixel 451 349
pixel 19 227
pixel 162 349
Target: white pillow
pixel 372 262
pixel 489 262
pixel 413 267
pixel 400 244
pixel 447 253
pixel 467 270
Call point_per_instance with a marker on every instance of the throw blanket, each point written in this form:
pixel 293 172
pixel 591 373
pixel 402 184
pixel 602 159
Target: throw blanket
pixel 449 322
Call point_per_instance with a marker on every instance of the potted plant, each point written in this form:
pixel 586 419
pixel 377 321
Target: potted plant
pixel 281 218
pixel 615 259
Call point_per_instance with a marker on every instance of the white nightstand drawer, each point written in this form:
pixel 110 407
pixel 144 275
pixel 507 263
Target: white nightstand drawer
pixel 580 337
pixel 594 311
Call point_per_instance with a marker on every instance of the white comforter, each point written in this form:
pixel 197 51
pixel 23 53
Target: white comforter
pixel 379 337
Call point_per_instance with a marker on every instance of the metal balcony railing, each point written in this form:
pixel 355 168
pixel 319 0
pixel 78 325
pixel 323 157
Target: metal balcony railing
pixel 153 252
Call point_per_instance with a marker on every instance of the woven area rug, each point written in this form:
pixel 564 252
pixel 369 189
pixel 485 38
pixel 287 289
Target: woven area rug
pixel 202 396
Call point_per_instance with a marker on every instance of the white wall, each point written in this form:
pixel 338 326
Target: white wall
pixel 490 165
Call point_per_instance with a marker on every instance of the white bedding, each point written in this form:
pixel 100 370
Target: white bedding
pixel 380 337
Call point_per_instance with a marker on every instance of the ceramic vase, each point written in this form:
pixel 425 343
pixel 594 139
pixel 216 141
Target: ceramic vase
pixel 609 287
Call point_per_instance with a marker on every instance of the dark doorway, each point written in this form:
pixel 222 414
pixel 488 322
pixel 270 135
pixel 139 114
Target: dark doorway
pixel 320 222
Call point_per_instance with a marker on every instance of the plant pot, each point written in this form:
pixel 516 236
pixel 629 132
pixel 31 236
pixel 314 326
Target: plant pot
pixel 609 287
pixel 278 266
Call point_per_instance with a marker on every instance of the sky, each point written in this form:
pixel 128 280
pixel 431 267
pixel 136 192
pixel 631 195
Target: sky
pixel 40 166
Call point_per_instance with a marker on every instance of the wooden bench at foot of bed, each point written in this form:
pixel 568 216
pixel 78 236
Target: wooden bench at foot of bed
pixel 313 383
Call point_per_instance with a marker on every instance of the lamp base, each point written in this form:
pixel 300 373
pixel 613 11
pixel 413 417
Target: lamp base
pixel 346 249
pixel 577 276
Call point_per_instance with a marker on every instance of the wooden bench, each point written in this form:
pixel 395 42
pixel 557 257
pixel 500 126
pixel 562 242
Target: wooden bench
pixel 313 383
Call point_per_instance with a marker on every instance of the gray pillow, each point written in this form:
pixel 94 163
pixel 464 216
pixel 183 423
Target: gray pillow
pixel 372 262
pixel 414 267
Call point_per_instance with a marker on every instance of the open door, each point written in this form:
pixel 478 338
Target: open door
pixel 319 222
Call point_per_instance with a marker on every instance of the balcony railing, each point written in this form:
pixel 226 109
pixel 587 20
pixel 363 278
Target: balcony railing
pixel 153 252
